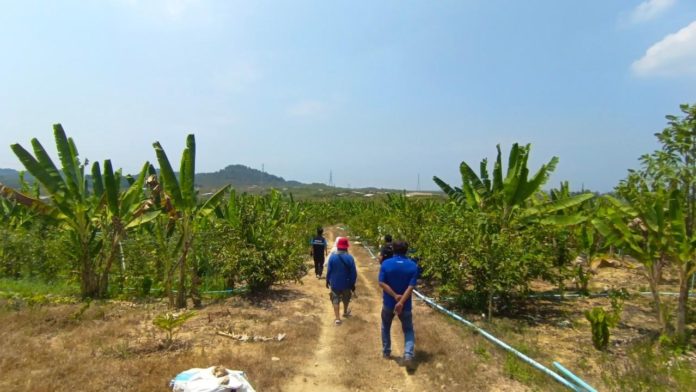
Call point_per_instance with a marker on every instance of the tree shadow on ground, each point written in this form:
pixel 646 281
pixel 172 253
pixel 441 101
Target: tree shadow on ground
pixel 266 299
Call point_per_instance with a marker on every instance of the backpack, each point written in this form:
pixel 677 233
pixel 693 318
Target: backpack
pixel 387 251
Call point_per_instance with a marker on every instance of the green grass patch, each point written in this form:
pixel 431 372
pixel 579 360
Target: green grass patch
pixel 650 368
pixel 28 288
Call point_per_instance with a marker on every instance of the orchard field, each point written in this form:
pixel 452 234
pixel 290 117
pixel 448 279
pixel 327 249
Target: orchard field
pixel 117 282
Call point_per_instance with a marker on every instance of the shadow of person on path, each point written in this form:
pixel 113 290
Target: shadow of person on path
pixel 420 358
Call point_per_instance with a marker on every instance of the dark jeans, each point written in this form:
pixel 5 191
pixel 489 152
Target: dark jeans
pixel 318 265
pixel 406 319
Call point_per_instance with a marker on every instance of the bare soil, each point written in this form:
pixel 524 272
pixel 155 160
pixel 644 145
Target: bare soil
pixel 113 345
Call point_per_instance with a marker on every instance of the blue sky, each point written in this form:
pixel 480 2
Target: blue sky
pixel 377 92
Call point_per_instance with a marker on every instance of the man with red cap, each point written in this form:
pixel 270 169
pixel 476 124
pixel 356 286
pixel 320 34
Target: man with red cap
pixel 340 278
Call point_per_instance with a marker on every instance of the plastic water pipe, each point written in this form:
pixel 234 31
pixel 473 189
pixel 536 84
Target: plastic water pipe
pixel 228 291
pixel 490 337
pixel 573 377
pixel 523 357
pixel 369 251
pixel 600 295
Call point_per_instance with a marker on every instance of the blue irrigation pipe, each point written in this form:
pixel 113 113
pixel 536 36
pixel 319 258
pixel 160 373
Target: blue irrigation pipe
pixel 502 344
pixel 573 377
pixel 239 290
pixel 490 337
pixel 228 291
pixel 370 251
pixel 598 295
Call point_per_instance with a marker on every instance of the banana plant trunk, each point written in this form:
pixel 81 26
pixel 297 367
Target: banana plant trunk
pixel 168 287
pixel 653 272
pixel 181 293
pixel 89 285
pixel 89 279
pixel 104 279
pixel 188 241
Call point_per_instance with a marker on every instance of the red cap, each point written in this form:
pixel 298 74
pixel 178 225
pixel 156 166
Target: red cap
pixel 342 243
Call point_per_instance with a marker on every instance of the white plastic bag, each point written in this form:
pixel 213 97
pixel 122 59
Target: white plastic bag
pixel 204 380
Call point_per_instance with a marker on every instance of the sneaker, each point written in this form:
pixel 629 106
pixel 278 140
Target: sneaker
pixel 338 322
pixel 318 276
pixel 347 313
pixel 386 355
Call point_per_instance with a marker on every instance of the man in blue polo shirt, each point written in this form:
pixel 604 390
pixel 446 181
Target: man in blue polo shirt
pixel 397 278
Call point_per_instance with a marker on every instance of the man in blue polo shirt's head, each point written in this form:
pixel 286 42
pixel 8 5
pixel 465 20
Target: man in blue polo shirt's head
pixel 397 278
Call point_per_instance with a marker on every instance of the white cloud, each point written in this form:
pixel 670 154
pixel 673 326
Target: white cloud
pixel 674 55
pixel 307 108
pixel 650 9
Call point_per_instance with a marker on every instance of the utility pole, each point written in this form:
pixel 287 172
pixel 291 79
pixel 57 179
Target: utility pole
pixel 331 184
pixel 418 186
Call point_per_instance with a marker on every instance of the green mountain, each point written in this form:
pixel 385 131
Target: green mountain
pixel 10 177
pixel 239 176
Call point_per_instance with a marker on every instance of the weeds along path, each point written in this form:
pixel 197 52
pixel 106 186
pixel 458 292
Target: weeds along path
pixel 348 357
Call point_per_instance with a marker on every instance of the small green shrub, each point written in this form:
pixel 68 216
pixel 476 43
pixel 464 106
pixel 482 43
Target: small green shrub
pixel 171 322
pixel 599 321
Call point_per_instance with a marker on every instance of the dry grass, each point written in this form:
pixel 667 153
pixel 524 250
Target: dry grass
pixel 114 346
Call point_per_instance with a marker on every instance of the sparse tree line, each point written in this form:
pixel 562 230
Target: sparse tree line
pixel 483 245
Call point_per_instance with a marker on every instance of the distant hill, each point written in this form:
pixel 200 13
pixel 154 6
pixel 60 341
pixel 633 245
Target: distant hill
pixel 239 176
pixel 10 177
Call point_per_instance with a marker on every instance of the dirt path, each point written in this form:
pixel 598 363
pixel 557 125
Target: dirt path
pixel 118 338
pixel 348 357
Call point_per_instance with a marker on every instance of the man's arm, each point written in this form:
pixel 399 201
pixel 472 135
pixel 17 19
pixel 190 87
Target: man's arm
pixel 353 274
pixel 328 272
pixel 387 289
pixel 400 305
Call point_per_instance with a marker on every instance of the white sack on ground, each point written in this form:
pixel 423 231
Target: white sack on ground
pixel 205 380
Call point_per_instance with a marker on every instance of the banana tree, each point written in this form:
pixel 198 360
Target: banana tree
pixel 124 211
pixel 78 211
pixel 502 203
pixel 180 200
pixel 510 197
